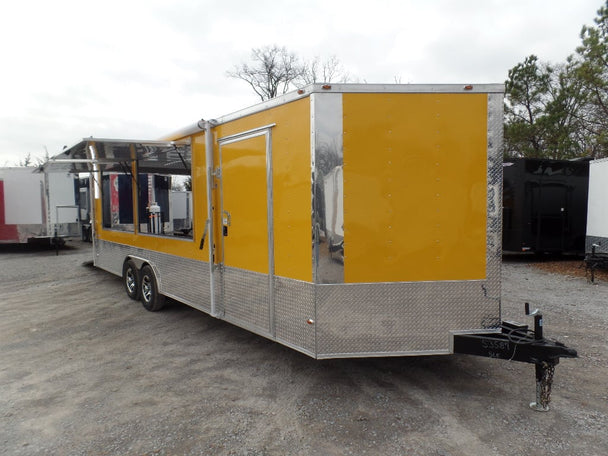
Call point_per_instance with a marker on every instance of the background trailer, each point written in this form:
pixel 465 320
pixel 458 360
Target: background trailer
pixel 37 206
pixel 341 221
pixel 597 215
pixel 596 242
pixel 545 205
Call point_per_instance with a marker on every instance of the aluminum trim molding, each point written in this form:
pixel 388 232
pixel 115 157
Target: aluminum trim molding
pixel 353 88
pixel 270 223
pixel 382 354
pixel 242 136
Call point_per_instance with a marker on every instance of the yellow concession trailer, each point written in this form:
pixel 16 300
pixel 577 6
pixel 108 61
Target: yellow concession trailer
pixel 339 220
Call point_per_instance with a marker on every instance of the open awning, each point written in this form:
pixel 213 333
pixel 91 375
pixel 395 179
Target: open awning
pixel 156 157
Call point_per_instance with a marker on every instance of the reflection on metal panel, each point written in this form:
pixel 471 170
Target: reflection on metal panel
pixel 328 208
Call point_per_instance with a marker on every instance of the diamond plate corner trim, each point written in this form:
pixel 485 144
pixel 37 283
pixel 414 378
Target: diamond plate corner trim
pixel 494 209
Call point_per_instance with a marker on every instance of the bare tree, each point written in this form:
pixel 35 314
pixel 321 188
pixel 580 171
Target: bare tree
pixel 27 160
pixel 273 70
pixel 319 71
pixel 45 158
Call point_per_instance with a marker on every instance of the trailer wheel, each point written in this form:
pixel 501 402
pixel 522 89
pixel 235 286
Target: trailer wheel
pixel 151 299
pixel 130 277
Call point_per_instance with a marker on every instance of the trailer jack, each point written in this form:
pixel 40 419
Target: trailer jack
pixel 515 342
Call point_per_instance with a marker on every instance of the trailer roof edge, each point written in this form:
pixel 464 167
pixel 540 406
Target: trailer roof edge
pixel 338 88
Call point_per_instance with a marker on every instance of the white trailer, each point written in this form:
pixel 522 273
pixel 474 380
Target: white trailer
pixel 597 216
pixel 37 206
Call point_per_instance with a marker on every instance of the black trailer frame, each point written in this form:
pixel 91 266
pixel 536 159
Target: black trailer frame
pixel 516 342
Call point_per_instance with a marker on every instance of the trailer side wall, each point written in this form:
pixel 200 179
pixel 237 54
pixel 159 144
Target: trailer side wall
pixel 422 200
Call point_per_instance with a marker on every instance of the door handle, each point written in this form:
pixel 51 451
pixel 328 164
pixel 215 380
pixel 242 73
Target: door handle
pixel 226 221
pixel 202 244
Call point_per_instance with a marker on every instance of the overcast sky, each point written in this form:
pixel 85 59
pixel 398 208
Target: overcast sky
pixel 142 69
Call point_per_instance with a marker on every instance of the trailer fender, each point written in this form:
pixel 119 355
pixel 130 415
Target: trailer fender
pixel 138 261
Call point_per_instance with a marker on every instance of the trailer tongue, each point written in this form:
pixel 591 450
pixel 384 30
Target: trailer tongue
pixel 515 342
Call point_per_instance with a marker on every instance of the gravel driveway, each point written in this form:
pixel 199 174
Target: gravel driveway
pixel 84 370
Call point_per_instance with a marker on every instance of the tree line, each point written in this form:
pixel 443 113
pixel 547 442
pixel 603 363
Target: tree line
pixel 560 111
pixel 557 111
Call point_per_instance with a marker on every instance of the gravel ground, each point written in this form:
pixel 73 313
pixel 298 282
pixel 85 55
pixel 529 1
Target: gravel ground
pixel 86 371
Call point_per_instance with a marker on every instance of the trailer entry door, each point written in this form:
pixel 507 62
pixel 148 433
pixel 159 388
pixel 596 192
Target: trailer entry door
pixel 247 241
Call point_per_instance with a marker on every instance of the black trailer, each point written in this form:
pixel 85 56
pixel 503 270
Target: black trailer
pixel 545 205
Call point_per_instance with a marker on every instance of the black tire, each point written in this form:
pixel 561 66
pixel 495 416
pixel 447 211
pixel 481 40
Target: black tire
pixel 131 280
pixel 151 299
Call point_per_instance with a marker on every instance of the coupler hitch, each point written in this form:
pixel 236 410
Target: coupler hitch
pixel 515 342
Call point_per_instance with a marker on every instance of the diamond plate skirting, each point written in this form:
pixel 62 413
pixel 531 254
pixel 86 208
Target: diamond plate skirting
pixel 398 318
pixel 601 244
pixel 180 278
pixel 324 321
pixel 295 314
pixel 247 299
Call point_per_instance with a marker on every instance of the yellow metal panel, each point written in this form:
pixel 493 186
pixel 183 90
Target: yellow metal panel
pixel 292 198
pixel 244 200
pixel 415 187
